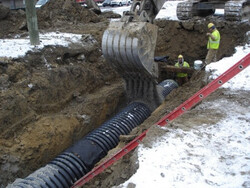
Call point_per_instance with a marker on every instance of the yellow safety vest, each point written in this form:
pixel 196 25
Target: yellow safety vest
pixel 185 64
pixel 214 44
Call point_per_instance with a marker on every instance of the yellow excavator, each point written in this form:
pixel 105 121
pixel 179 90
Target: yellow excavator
pixel 234 10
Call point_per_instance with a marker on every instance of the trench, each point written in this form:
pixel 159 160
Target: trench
pixel 80 158
pixel 174 38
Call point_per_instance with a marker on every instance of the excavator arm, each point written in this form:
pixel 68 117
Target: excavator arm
pixel 129 45
pixel 147 10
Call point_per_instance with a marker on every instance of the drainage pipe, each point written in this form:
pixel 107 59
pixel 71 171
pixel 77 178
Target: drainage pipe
pixel 167 86
pixel 80 158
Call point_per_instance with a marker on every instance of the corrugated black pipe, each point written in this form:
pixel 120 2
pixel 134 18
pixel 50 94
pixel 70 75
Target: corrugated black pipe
pixel 106 137
pixel 168 86
pixel 79 159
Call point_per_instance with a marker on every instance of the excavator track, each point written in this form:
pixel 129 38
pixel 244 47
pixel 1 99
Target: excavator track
pixel 237 11
pixel 184 10
pixel 234 10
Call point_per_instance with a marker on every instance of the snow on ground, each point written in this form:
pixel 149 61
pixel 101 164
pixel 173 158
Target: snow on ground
pixel 219 67
pixel 18 47
pixel 208 156
pixel 168 11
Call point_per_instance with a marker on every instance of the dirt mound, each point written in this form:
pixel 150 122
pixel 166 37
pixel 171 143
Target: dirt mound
pixel 12 23
pixel 54 13
pixel 4 11
pixel 57 15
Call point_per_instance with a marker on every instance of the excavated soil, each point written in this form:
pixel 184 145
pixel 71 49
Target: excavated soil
pixel 80 90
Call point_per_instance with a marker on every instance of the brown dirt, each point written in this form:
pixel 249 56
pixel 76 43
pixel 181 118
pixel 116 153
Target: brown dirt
pixel 77 94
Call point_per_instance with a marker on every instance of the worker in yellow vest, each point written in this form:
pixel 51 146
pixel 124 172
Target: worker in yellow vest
pixel 213 43
pixel 182 78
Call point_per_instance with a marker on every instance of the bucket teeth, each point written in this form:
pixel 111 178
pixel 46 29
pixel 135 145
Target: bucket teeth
pixel 130 47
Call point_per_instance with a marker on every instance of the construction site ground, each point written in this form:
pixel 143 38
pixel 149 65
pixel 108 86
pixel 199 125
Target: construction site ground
pixel 81 90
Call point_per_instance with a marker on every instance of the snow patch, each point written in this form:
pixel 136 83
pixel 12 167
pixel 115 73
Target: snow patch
pixel 18 47
pixel 240 81
pixel 207 156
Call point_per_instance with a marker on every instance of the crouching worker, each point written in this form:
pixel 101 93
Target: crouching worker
pixel 182 78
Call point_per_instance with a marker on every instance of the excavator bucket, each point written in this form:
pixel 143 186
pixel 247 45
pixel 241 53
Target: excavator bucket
pixel 130 47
